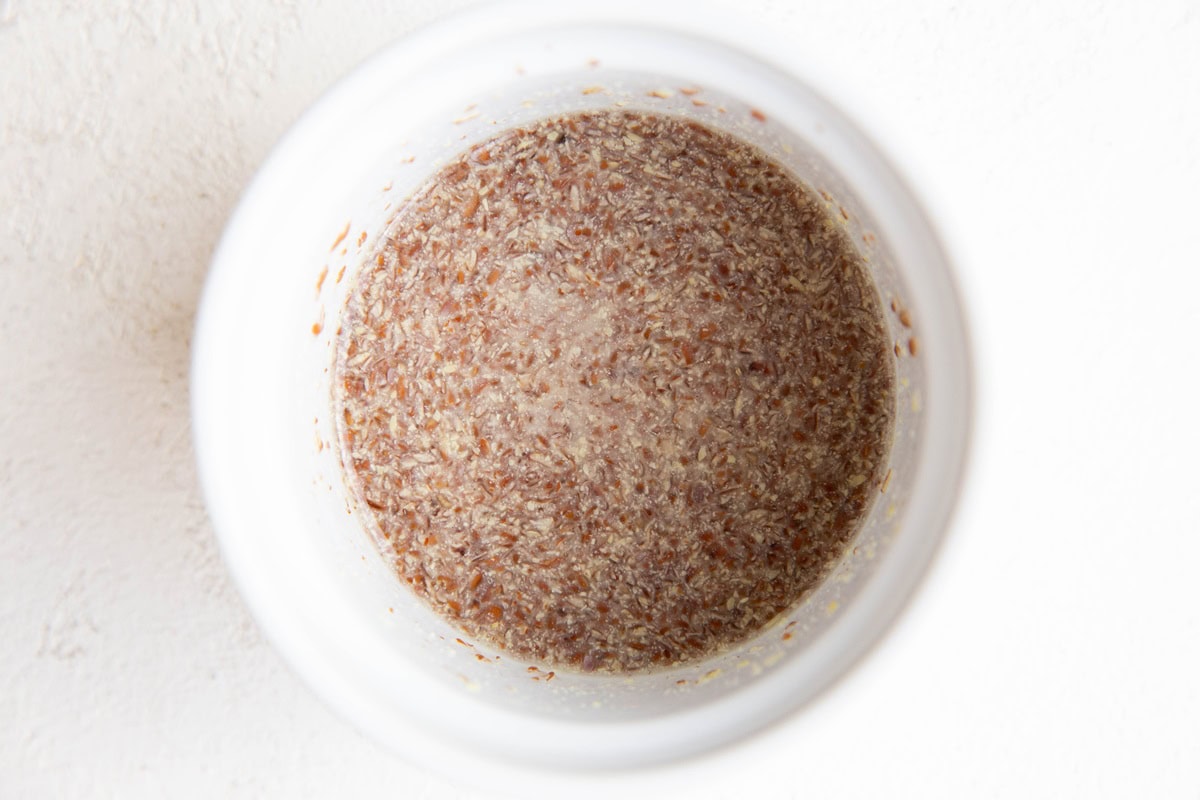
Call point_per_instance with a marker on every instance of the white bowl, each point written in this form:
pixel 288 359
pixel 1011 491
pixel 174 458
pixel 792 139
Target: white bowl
pixel 261 383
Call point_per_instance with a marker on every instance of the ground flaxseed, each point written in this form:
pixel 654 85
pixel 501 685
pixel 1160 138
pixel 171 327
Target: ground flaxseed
pixel 616 390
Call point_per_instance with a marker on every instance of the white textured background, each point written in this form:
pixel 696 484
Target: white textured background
pixel 1055 650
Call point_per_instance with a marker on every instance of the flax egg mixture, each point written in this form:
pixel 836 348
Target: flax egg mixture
pixel 614 391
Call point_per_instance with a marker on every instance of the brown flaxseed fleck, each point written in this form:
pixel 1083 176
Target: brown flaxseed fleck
pixel 617 423
pixel 340 237
pixel 470 206
pixel 758 115
pixel 913 346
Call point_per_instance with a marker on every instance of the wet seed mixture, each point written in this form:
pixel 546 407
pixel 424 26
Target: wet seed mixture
pixel 616 390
